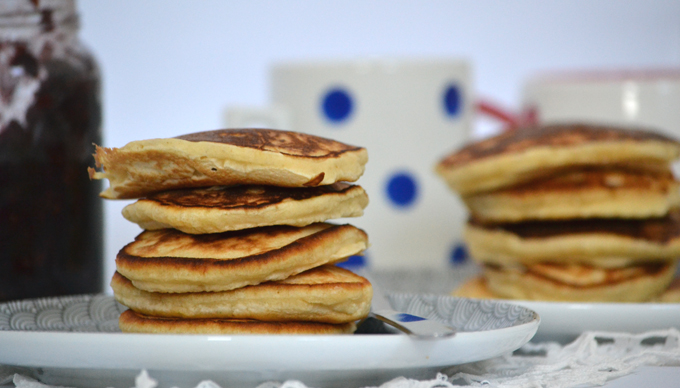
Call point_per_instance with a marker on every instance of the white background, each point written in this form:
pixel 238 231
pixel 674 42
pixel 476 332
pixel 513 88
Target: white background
pixel 171 66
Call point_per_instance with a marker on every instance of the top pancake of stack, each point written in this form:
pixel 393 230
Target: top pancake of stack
pixel 524 155
pixel 226 158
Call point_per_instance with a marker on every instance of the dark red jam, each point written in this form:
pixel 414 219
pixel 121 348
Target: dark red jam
pixel 50 212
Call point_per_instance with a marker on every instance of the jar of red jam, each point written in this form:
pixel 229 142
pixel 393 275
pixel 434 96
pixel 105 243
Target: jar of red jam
pixel 50 115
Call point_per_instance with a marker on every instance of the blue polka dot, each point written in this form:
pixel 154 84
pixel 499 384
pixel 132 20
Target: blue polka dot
pixel 453 100
pixel 353 262
pixel 337 105
pixel 402 189
pixel 459 255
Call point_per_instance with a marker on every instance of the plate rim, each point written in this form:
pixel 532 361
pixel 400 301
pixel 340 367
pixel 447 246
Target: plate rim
pixel 415 353
pixel 565 321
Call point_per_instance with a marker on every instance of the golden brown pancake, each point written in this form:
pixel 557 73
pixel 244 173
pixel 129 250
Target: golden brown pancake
pixel 525 154
pixel 168 260
pixel 132 322
pixel 598 242
pixel 224 158
pixel 671 294
pixel 580 283
pixel 223 208
pixel 325 294
pixel 475 288
pixel 584 193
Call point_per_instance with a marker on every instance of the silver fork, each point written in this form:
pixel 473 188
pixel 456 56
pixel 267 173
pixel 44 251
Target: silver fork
pixel 413 325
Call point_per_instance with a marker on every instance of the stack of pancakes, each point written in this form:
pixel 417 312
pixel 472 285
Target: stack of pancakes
pixel 235 236
pixel 569 213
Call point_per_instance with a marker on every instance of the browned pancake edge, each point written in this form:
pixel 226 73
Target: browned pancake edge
pixel 595 178
pixel 661 230
pixel 134 322
pixel 202 266
pixel 285 142
pixel 246 196
pixel 558 135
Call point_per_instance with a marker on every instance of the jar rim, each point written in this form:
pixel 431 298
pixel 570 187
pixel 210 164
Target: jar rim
pixel 17 16
pixel 27 23
pixel 21 7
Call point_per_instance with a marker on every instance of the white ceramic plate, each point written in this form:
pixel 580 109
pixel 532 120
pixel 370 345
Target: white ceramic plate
pixel 75 341
pixel 560 321
pixel 563 321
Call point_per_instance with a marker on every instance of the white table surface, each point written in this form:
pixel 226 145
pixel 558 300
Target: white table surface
pixel 648 376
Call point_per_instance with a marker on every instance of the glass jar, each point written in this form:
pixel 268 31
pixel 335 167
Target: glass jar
pixel 50 115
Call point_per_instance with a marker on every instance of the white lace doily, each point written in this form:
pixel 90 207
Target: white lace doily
pixel 592 359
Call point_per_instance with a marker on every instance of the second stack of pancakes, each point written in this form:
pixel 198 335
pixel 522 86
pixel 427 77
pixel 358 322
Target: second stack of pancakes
pixel 235 236
pixel 569 212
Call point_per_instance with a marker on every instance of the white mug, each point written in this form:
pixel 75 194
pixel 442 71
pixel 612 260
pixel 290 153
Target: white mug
pixel 407 114
pixel 641 98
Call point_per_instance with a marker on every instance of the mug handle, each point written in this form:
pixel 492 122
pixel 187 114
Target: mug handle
pixel 273 117
pixel 511 120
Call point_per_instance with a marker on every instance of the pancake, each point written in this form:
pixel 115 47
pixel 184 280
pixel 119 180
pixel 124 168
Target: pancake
pixel 325 294
pixel 220 209
pixel 525 154
pixel 168 260
pixel 672 293
pixel 475 288
pixel 224 158
pixel 598 242
pixel 580 283
pixel 132 322
pixel 584 193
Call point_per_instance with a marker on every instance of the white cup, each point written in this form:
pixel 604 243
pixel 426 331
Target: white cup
pixel 407 114
pixel 646 98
